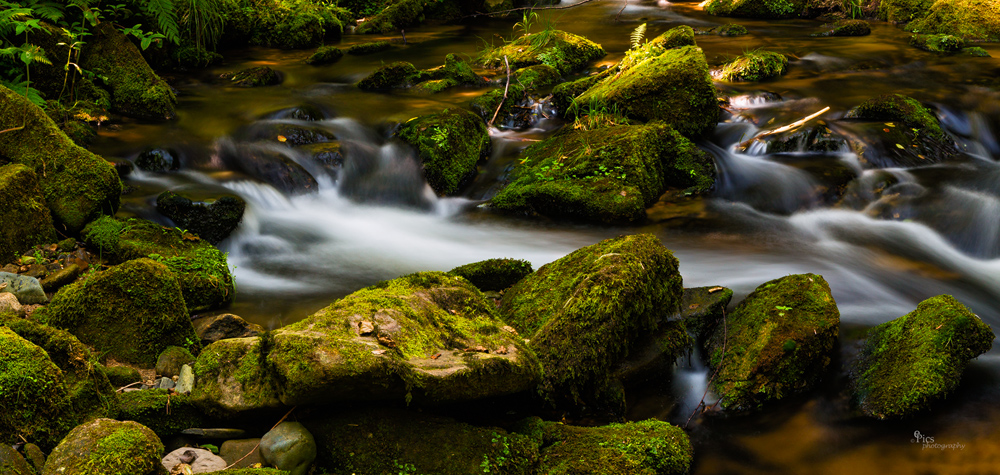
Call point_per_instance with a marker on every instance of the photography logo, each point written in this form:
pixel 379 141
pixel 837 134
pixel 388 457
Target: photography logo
pixel 927 442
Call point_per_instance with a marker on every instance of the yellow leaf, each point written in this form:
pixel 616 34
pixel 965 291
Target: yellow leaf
pixel 890 124
pixel 282 138
pixel 900 146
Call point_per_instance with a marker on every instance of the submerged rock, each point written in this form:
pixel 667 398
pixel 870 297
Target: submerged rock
pixel 368 48
pixel 450 145
pixel 764 9
pixel 429 336
pixel 253 77
pixel 563 51
pixel 494 274
pixel 777 342
pixel 584 312
pixel 24 219
pixel 158 160
pixel 606 175
pixel 325 55
pixel 911 362
pixel 269 163
pixel 211 220
pixel 754 66
pixel 132 312
pixel 899 132
pixel 107 446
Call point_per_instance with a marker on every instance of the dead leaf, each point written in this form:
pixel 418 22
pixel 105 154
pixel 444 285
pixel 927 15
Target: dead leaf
pixel 478 349
pixel 365 328
pixel 378 352
pixel 436 356
pixel 501 351
pixel 509 329
pixel 385 340
pixel 715 289
pixel 282 139
pixel 623 193
pixel 694 306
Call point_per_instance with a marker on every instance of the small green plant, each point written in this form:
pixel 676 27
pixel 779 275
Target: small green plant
pixel 528 19
pixel 637 36
pixel 440 137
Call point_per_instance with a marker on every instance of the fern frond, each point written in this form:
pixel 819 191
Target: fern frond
pixel 637 35
pixel 166 18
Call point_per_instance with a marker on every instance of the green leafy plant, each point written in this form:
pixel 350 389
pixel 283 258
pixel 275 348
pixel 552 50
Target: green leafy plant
pixel 637 36
pixel 528 19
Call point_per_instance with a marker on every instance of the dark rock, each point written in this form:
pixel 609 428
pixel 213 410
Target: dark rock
pixel 368 48
pixel 221 327
pixel 158 160
pixel 61 278
pixel 253 77
pixel 213 220
pixel 494 274
pixel 731 29
pixel 309 112
pixel 702 308
pixel 269 164
pixel 171 359
pixel 286 133
pixel 234 449
pixel 328 154
pixel 325 55
pixel 289 446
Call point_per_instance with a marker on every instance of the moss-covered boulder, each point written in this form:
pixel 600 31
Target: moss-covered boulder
pixel 493 103
pixel 648 447
pixel 940 44
pixel 563 51
pixel 257 76
pixel 131 312
pixel 605 175
pixel 400 441
pixel 325 55
pixel 136 90
pixel 764 9
pixel 106 446
pixel 400 14
pixel 902 132
pixel 368 48
pixel 78 186
pixel 288 24
pixel 731 29
pixel 851 28
pixel 754 66
pixel 584 312
pixel 450 145
pixel 537 76
pixel 164 414
pixel 212 219
pixel 430 336
pixel 977 20
pixel 200 268
pixel 702 309
pixel 494 274
pixel 454 72
pixel 902 11
pixel 654 83
pixel 13 463
pixel 32 393
pixel 24 221
pixel 911 362
pixel 392 75
pixel 777 342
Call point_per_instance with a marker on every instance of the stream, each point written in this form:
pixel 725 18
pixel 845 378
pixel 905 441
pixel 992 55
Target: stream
pixel 935 230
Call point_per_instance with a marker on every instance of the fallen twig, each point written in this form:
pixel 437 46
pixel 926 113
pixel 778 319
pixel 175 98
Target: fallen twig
pixel 564 7
pixel 505 89
pixel 625 4
pixel 128 386
pixel 793 125
pixel 258 442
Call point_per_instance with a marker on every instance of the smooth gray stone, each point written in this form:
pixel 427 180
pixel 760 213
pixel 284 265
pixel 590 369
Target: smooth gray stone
pixel 27 289
pixel 289 447
pixel 204 460
pixel 185 382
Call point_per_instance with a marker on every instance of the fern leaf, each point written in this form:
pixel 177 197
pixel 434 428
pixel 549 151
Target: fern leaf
pixel 166 18
pixel 637 35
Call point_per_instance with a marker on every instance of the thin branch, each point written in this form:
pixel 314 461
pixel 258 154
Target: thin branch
pixel 258 442
pixel 564 7
pixel 505 89
pixel 793 125
pixel 725 339
pixel 620 11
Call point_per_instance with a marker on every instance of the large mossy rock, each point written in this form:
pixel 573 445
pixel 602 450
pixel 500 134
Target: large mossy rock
pixel 648 447
pixel 78 186
pixel 754 66
pixel 902 11
pixel 672 85
pixel 454 72
pixel 429 336
pixel 777 342
pixel 900 132
pixel 32 393
pixel 164 414
pixel 584 313
pixel 136 90
pixel 605 175
pixel 201 269
pixel 399 441
pixel 131 312
pixel 450 144
pixel 911 362
pixel 764 9
pixel 564 51
pixel 977 20
pixel 13 463
pixel 24 221
pixel 106 446
pixel 212 220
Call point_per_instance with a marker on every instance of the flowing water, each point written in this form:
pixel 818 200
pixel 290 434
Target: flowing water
pixel 884 235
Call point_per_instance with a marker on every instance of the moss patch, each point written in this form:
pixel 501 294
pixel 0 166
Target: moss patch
pixel 32 393
pixel 897 107
pixel 970 19
pixel 325 55
pixel 494 274
pixel 941 44
pixel 25 221
pixel 902 11
pixel 754 66
pixel 253 77
pixel 909 363
pixel 563 51
pixel 584 312
pixel 368 48
pixel 105 446
pixel 764 9
pixel 537 76
pixel 450 144
pixel 755 363
pixel 648 447
pixel 165 415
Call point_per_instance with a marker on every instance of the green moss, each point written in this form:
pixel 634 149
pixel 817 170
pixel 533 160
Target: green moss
pixel 969 19
pixel 233 376
pixel 851 28
pixel 105 446
pixel 909 363
pixel 397 15
pixel 563 51
pixel 135 89
pixel 777 342
pixel 754 66
pixel 454 72
pixel 122 375
pixel 132 312
pixel 702 309
pixel 583 312
pixel 325 55
pixel 201 268
pixel 897 107
pixel 486 104
pixel 673 86
pixel 369 48
pixel 78 186
pixel 941 44
pixel 165 415
pixel 397 441
pixel 731 29
pixel 450 144
pixel 764 9
pixel 976 52
pixel 289 24
pixel 537 76
pixel 607 175
pixel 494 274
pixel 902 11
pixel 25 220
pixel 563 95
pixel 673 38
pixel 648 447
pixel 392 75
pixel 258 76
pixel 32 393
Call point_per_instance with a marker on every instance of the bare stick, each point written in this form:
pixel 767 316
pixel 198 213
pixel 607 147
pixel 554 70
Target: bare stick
pixel 796 124
pixel 258 443
pixel 725 339
pixel 505 89
pixel 620 11
pixel 564 7
pixel 128 386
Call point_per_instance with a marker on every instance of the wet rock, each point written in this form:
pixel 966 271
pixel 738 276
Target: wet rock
pixel 454 72
pixel 450 145
pixel 212 220
pixel 171 359
pixel 289 446
pixel 235 449
pixel 368 48
pixel 61 278
pixel 537 76
pixel 702 308
pixel 25 221
pixel 941 44
pixel 221 327
pixel 165 413
pixel 269 164
pixel 976 52
pixel 609 174
pixel 494 274
pixel 564 51
pixel 131 312
pixel 809 139
pixel 121 376
pixel 508 115
pixel 970 19
pixel 200 460
pixel 426 327
pixel 754 66
pixel 330 155
pixel 185 382
pixel 848 28
pixel 579 341
pixel 106 446
pixel 35 457
pixel 309 112
pixel 289 134
pixel 10 306
pixel 909 363
pixel 27 289
pixel 390 76
pixel 777 342
pixel 12 462
pixel 731 29
pixel 158 160
pixel 325 55
pixel 253 77
pixel 764 9
pixel 898 131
